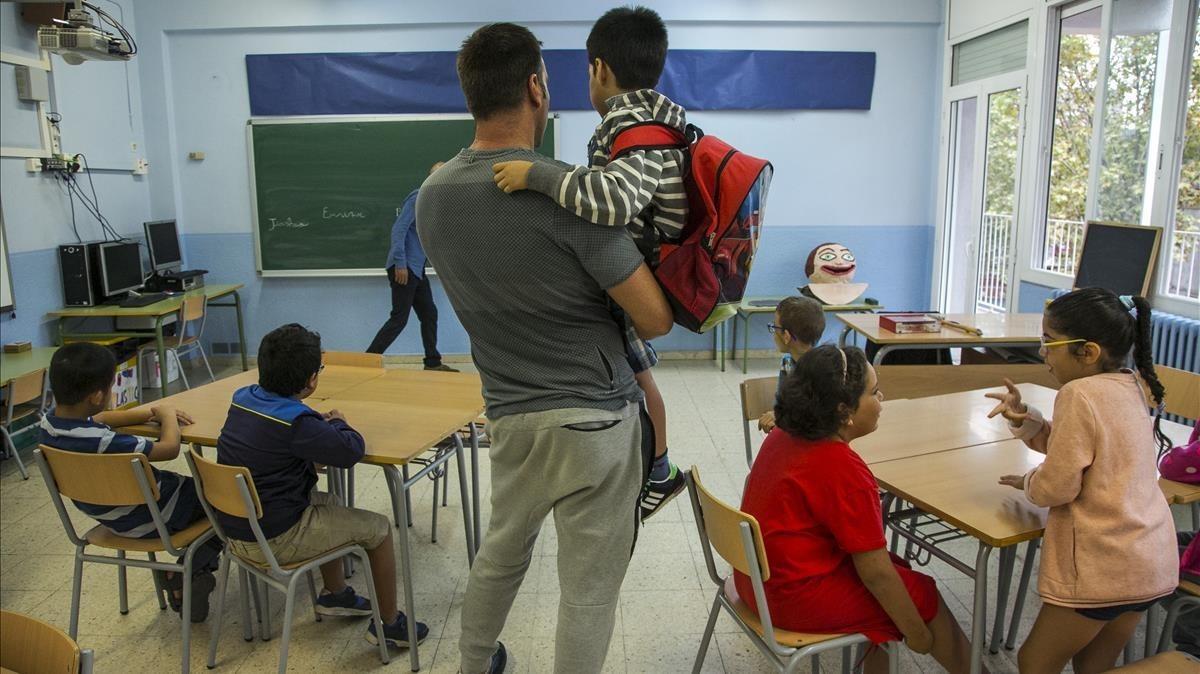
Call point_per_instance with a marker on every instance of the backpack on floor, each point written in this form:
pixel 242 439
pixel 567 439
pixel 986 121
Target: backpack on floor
pixel 704 273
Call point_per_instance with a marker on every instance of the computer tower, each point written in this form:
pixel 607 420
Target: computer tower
pixel 78 284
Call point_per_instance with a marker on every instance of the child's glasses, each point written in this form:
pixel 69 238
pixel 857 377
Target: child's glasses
pixel 1059 342
pixel 773 328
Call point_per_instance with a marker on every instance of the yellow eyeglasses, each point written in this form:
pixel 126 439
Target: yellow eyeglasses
pixel 1060 342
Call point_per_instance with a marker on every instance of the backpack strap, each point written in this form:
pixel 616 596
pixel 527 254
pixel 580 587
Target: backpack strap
pixel 647 136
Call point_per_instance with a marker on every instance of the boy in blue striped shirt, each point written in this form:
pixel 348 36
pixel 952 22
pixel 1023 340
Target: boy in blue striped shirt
pixel 81 378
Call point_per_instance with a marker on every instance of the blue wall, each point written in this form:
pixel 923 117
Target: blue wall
pixel 865 178
pixel 1033 297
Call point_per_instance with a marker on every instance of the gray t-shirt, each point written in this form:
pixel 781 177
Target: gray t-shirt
pixel 527 280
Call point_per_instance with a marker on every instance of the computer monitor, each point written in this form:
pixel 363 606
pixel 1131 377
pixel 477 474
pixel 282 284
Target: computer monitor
pixel 120 267
pixel 163 240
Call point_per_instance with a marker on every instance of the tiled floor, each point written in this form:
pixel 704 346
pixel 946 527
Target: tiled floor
pixel 663 605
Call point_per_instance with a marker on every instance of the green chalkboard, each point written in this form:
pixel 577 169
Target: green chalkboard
pixel 326 190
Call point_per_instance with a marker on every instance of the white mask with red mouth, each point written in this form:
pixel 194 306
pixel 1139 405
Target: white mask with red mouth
pixel 831 263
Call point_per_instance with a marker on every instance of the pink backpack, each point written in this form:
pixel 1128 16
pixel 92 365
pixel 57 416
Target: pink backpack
pixel 1189 562
pixel 1182 464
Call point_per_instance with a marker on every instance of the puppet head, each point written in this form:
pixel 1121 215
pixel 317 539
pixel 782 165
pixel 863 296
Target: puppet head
pixel 830 263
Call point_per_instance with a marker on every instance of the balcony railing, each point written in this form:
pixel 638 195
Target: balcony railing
pixel 991 287
pixel 1183 274
pixel 1064 239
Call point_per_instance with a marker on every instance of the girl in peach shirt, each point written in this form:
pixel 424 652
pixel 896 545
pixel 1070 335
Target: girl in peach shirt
pixel 1104 558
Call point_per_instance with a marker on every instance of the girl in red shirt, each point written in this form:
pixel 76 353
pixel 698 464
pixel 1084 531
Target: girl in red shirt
pixel 818 506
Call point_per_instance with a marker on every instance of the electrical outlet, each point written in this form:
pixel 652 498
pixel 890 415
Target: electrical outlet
pixel 141 167
pixel 33 165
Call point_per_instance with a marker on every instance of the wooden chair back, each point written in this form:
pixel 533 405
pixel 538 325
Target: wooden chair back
pixel 722 528
pixel 30 646
pixel 758 397
pixel 193 307
pixel 352 358
pixel 27 387
pixel 1183 391
pixel 100 479
pixel 218 484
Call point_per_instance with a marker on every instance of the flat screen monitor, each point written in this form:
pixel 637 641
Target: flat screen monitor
pixel 120 267
pixel 162 238
pixel 1118 257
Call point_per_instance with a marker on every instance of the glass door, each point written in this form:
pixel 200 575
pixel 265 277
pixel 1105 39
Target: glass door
pixel 997 230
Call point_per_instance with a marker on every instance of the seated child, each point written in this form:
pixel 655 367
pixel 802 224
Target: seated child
pixel 81 378
pixel 280 439
pixel 641 190
pixel 1104 556
pixel 818 506
pixel 799 324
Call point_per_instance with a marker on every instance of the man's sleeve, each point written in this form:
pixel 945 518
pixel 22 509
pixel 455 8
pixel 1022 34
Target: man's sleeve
pixel 607 254
pixel 332 442
pixel 404 222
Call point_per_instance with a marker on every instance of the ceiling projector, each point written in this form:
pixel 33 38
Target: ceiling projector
pixel 78 39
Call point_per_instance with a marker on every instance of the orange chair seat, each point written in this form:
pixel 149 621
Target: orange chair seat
pixel 783 637
pixel 1189 587
pixel 101 536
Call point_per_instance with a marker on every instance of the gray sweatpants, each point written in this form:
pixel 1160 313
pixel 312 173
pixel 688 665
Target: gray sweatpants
pixel 585 466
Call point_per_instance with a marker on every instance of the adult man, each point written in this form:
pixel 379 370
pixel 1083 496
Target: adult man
pixel 531 283
pixel 410 287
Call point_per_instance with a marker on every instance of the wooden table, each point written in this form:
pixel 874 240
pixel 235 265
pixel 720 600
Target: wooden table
pixel 17 365
pixel 159 311
pixel 751 306
pixel 400 413
pixel 999 330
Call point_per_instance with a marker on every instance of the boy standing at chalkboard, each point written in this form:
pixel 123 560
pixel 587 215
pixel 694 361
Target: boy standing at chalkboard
pixel 642 190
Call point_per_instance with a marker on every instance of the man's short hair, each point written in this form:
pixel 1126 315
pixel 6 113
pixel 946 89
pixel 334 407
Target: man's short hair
pixel 78 370
pixel 803 317
pixel 633 42
pixel 287 358
pixel 493 65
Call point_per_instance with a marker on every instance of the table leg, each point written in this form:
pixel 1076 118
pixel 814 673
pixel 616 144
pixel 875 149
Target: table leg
pixel 1008 560
pixel 406 565
pixel 883 351
pixel 842 337
pixel 979 615
pixel 161 350
pixel 475 503
pixel 1022 588
pixel 723 331
pixel 467 508
pixel 734 338
pixel 237 308
pixel 745 343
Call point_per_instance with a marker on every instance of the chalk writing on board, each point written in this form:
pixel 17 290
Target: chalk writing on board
pixel 331 214
pixel 286 223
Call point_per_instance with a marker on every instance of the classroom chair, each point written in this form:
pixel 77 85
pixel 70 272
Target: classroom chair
pixel 1187 598
pixel 1183 392
pixel 737 538
pixel 193 310
pixel 26 396
pixel 231 490
pixel 30 646
pixel 352 358
pixel 119 480
pixel 758 398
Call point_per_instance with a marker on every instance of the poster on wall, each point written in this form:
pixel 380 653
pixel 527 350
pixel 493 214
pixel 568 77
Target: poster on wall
pixel 6 289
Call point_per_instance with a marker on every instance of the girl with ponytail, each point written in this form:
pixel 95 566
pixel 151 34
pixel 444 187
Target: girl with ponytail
pixel 1104 559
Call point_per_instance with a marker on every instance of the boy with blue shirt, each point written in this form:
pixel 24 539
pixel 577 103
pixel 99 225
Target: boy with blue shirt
pixel 280 439
pixel 81 378
pixel 798 326
pixel 410 287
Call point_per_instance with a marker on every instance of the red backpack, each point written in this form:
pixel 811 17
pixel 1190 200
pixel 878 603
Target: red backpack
pixel 704 274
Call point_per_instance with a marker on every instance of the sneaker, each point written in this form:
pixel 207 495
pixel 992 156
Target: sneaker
pixel 440 368
pixel 344 603
pixel 499 660
pixel 396 633
pixel 657 494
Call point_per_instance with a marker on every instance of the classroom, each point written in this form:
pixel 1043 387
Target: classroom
pixel 287 328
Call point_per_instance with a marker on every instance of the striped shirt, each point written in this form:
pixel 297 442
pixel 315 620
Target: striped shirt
pixel 177 497
pixel 642 190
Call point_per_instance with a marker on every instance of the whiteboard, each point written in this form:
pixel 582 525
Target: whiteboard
pixel 6 293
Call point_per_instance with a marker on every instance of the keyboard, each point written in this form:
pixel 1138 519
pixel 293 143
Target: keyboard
pixel 145 299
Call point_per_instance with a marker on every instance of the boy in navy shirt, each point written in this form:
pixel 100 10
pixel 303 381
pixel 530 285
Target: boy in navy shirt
pixel 280 439
pixel 81 378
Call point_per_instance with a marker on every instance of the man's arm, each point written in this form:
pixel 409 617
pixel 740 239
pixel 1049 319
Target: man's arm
pixel 641 298
pixel 404 222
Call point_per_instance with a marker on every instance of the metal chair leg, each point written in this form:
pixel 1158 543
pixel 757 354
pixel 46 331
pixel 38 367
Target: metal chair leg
pixel 312 591
pixel 76 583
pixel 204 359
pixel 159 591
pixel 407 496
pixel 222 583
pixel 433 536
pixel 1022 588
pixel 12 449
pixel 122 584
pixel 245 587
pixel 708 632
pixel 178 364
pixel 1008 560
pixel 289 606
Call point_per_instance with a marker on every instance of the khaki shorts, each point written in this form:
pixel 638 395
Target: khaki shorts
pixel 325 525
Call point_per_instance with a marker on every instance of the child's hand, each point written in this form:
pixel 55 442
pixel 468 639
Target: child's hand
pixel 184 418
pixel 511 176
pixel 334 414
pixel 160 413
pixel 766 422
pixel 1010 404
pixel 1014 481
pixel 920 643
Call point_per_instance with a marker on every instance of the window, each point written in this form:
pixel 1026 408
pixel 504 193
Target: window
pixel 1071 138
pixel 1183 270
